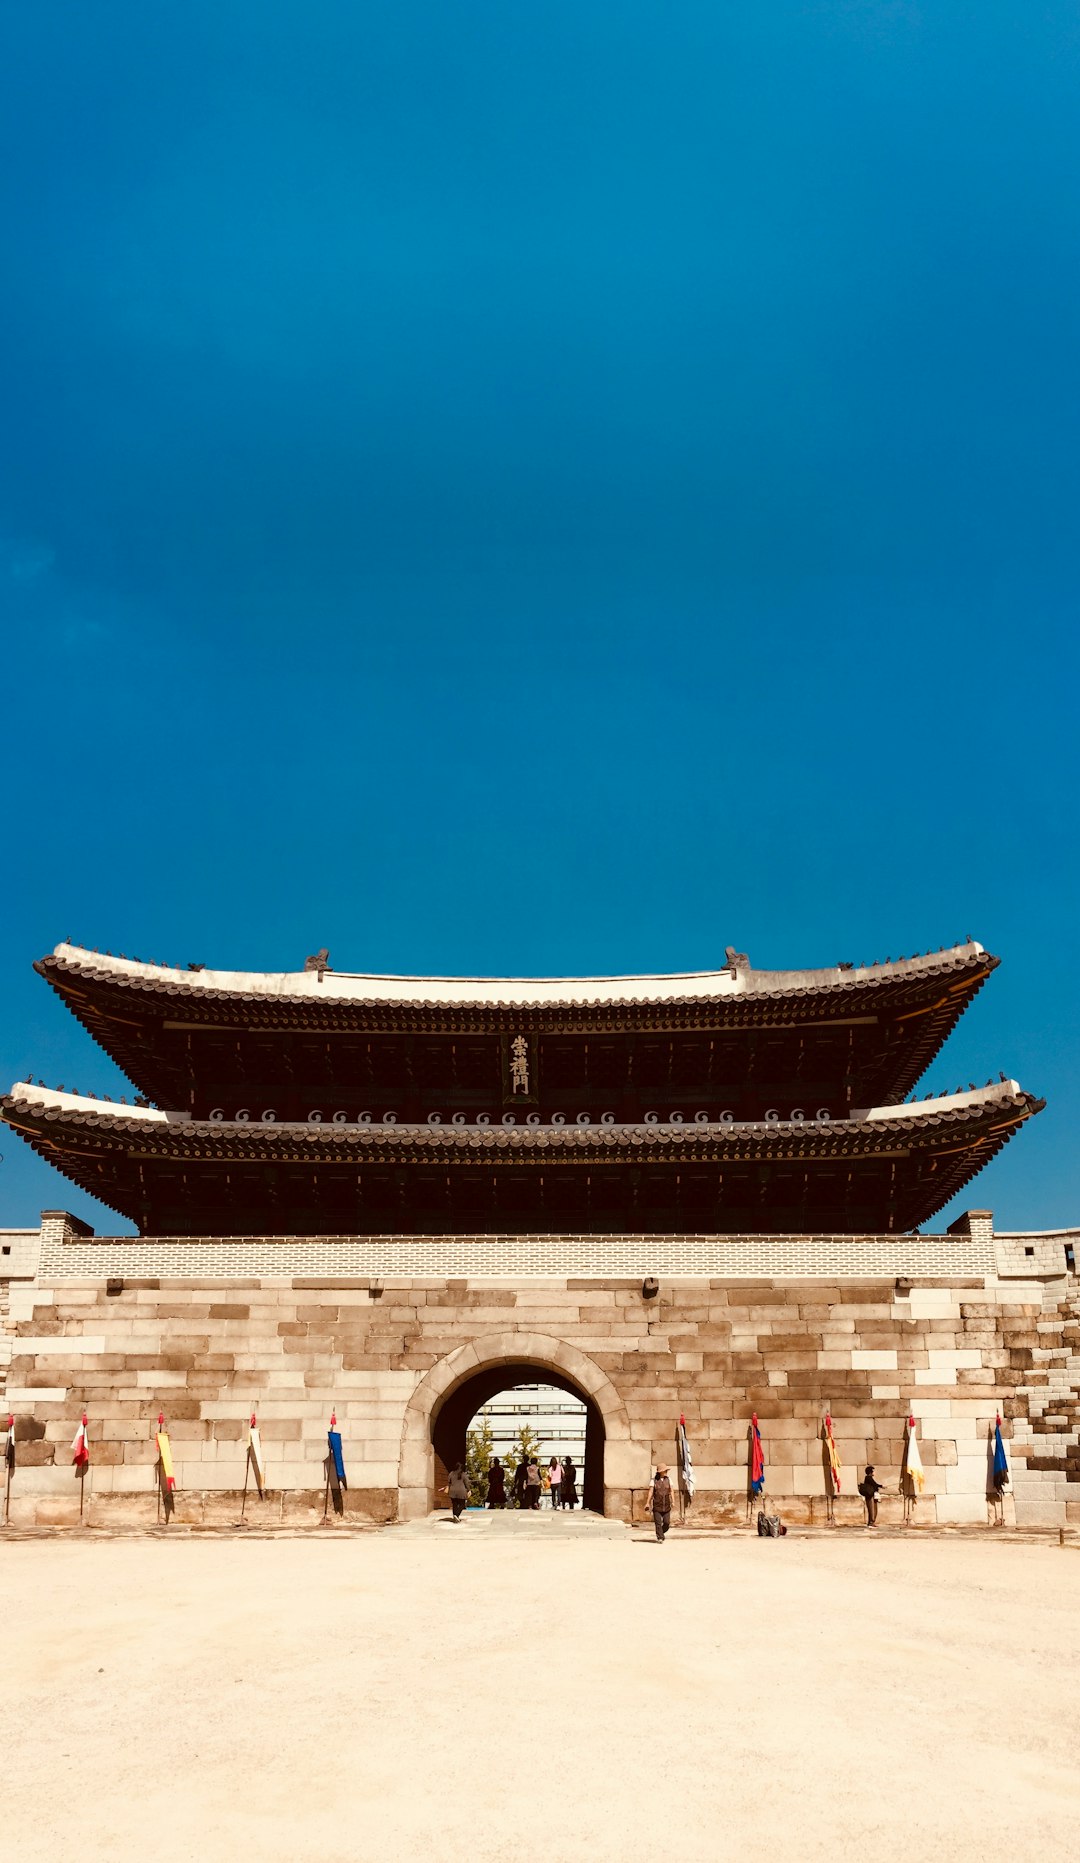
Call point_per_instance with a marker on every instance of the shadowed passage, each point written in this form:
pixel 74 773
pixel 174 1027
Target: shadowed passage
pixel 505 1412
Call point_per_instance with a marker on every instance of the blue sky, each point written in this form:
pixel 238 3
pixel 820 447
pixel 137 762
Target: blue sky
pixel 541 490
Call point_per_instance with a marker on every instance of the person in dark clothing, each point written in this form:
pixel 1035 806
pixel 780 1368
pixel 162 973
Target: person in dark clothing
pixel 568 1495
pixel 496 1494
pixel 459 1489
pixel 518 1488
pixel 659 1499
pixel 870 1489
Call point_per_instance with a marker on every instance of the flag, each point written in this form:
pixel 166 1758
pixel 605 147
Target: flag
pixel 686 1460
pixel 335 1464
pixel 9 1444
pixel 757 1459
pixel 833 1454
pixel 164 1449
pixel 1001 1463
pixel 913 1467
pixel 80 1444
pixel 255 1451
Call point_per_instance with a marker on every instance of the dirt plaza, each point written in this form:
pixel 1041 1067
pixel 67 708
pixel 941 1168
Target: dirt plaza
pixel 519 1687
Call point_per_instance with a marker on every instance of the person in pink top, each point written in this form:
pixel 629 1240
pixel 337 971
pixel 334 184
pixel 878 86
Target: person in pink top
pixel 555 1476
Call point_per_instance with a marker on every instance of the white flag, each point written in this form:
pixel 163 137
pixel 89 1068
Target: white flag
pixel 255 1451
pixel 913 1467
pixel 686 1461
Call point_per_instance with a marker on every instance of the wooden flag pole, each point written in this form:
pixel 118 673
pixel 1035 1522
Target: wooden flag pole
pixel 157 1469
pixel 247 1472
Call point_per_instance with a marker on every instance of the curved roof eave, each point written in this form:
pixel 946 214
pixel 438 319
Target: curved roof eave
pixel 80 1108
pixel 734 983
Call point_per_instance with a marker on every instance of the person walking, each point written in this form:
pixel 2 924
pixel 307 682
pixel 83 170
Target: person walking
pixel 568 1494
pixel 659 1499
pixel 555 1479
pixel 459 1489
pixel 532 1484
pixel 870 1489
pixel 519 1481
pixel 496 1494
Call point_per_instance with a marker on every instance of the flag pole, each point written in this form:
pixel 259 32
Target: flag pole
pixel 7 1458
pixel 157 1468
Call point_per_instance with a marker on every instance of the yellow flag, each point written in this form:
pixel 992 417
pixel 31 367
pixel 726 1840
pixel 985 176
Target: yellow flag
pixel 833 1455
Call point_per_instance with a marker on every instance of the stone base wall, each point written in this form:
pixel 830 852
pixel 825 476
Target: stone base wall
pixel 386 1353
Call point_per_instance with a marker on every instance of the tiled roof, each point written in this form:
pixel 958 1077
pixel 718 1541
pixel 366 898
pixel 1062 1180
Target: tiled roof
pixel 114 1152
pixel 737 982
pixel 872 1130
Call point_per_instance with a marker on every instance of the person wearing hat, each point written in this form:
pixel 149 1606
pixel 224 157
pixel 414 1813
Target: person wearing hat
pixel 659 1499
pixel 870 1489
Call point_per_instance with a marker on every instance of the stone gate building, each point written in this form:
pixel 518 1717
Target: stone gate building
pixel 703 1195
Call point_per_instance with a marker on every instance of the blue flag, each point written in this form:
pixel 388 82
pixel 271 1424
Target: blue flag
pixel 1001 1465
pixel 335 1467
pixel 333 1437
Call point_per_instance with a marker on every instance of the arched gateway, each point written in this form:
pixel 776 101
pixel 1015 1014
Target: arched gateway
pixel 449 1395
pixel 715 1182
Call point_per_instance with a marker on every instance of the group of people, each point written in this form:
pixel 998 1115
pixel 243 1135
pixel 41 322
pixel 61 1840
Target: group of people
pixel 559 1479
pixel 529 1484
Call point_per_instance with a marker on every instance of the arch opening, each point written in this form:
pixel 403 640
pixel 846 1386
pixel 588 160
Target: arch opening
pixel 488 1364
pixel 452 1418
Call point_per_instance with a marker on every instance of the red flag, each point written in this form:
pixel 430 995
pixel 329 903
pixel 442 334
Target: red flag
pixel 80 1444
pixel 757 1458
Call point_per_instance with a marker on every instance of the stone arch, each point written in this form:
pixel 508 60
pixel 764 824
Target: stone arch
pixel 416 1469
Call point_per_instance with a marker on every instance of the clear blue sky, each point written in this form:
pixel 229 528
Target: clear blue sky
pixel 544 489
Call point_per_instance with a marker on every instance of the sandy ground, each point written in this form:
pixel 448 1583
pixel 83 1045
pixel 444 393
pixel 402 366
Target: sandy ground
pixel 550 1690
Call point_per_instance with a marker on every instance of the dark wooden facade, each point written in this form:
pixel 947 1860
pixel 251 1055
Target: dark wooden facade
pixel 731 1102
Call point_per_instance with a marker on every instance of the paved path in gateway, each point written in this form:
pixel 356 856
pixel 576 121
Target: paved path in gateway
pixel 550 1526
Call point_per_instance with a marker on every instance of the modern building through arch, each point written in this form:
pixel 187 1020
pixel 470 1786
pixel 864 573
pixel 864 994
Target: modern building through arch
pixel 453 1418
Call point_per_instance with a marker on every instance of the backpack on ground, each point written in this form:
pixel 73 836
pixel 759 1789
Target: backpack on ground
pixel 770 1526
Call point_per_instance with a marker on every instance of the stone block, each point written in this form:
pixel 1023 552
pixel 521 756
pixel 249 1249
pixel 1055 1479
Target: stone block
pixel 627 1464
pixel 955 1510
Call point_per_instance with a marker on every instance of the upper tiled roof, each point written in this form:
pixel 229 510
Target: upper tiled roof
pixel 737 982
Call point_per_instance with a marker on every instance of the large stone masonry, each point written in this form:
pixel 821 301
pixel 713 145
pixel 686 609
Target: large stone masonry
pixel 387 1350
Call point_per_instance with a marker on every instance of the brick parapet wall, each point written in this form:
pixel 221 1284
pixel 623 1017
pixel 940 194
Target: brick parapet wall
pixel 64 1255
